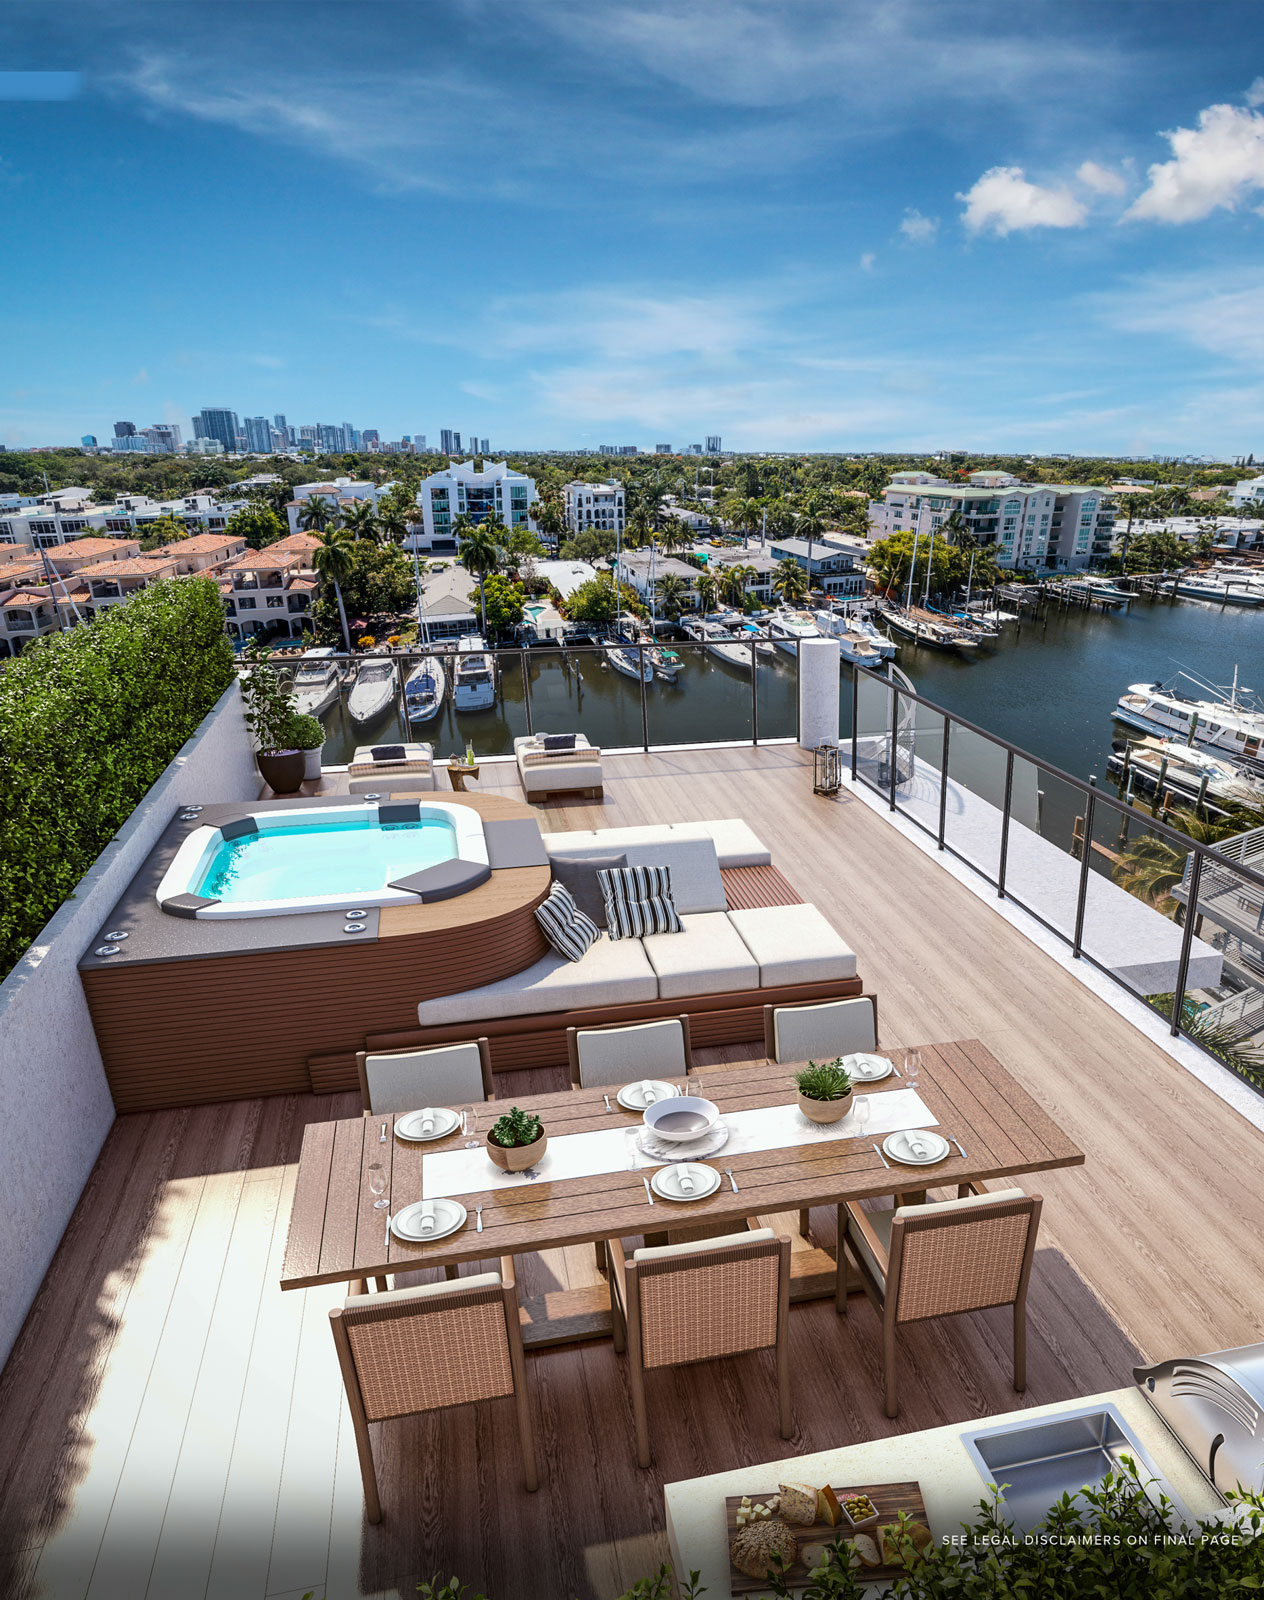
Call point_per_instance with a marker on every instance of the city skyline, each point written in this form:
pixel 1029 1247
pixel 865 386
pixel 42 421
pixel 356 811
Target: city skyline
pixel 862 227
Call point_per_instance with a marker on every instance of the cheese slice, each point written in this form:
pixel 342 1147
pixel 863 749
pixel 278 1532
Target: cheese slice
pixel 798 1503
pixel 828 1509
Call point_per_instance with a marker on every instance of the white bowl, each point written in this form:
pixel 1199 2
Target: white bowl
pixel 653 1117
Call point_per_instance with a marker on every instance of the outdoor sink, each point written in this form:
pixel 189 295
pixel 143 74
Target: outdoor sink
pixel 1035 1463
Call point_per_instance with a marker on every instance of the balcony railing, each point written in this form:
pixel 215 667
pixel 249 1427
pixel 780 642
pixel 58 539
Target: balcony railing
pixel 1177 923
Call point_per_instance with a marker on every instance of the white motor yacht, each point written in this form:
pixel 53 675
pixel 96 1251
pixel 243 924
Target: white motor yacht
pixel 631 662
pixel 787 627
pixel 316 682
pixel 374 690
pixel 424 689
pixel 474 683
pixel 1226 722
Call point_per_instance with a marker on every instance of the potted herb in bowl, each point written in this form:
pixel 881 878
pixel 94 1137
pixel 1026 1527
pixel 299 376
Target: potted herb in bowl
pixel 306 734
pixel 270 715
pixel 824 1090
pixel 517 1140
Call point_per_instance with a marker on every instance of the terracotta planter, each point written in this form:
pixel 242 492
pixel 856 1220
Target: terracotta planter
pixel 825 1110
pixel 519 1157
pixel 282 770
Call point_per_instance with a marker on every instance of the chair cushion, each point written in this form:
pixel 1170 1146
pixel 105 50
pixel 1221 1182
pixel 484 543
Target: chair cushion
pixel 967 1202
pixel 638 901
pixel 707 958
pixel 816 1032
pixel 613 973
pixel 579 874
pixel 735 843
pixel 793 944
pixel 695 867
pixel 567 929
pixel 423 1291
pixel 442 1076
pixel 622 1055
pixel 664 1252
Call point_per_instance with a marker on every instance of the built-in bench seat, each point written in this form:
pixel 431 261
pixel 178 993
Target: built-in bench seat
pixel 736 844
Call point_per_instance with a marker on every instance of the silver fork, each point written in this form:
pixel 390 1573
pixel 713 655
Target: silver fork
pixel 958 1144
pixel 478 1218
pixel 606 1098
pixel 381 1138
pixel 732 1180
pixel 387 1245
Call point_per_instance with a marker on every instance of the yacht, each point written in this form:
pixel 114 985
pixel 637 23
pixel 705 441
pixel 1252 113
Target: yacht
pixel 763 644
pixel 721 644
pixel 317 682
pixel 786 628
pixel 667 663
pixel 1196 774
pixel 853 645
pixel 938 633
pixel 1213 586
pixel 630 661
pixel 474 684
pixel 1205 717
pixel 424 689
pixel 374 690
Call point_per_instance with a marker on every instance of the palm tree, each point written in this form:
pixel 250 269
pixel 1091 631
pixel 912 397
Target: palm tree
pixel 1152 867
pixel 640 527
pixel 333 562
pixel 790 581
pixel 480 555
pixel 317 513
pixel 733 584
pixel 673 595
pixel 705 586
pixel 360 519
pixel 392 521
pixel 810 526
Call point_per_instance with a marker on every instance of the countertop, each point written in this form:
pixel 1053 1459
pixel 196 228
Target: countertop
pixel 936 1457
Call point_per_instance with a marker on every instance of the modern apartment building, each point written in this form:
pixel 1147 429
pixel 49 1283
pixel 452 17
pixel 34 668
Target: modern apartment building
pixel 458 491
pixel 1038 527
pixel 337 491
pixel 449 442
pixel 1247 491
pixel 258 435
pixel 662 449
pixel 217 423
pixel 594 505
pixel 713 444
pixel 45 526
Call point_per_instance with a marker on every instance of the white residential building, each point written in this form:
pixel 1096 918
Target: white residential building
pixel 1038 527
pixel 1247 492
pixel 41 527
pixel 594 505
pixel 337 491
pixel 458 491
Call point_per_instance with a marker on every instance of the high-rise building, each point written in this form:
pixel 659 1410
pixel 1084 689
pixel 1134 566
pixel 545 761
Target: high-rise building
pixel 88 440
pixel 662 450
pixel 419 443
pixel 451 442
pixel 713 444
pixel 124 430
pixel 217 423
pixel 309 437
pixel 278 422
pixel 370 436
pixel 459 491
pixel 485 448
pixel 163 438
pixel 258 435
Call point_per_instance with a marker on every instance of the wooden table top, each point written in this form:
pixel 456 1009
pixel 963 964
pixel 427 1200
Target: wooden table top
pixel 335 1233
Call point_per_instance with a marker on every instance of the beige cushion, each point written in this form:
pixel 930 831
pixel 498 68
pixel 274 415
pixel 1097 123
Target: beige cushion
pixel 600 840
pixel 735 843
pixel 882 1221
pixel 726 1241
pixel 622 1055
pixel 707 958
pixel 833 1028
pixel 412 752
pixel 695 869
pixel 423 1291
pixel 793 944
pixel 407 1079
pixel 612 973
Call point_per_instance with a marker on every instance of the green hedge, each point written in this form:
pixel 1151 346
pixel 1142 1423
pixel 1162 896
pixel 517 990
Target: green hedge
pixel 88 720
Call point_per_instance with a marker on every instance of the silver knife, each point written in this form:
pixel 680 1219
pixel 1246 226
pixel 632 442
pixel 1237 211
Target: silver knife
pixel 957 1142
pixel 732 1180
pixel 881 1157
pixel 649 1193
pixel 387 1245
pixel 478 1219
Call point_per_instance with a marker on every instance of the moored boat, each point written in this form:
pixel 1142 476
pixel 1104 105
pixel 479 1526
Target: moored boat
pixel 317 681
pixel 424 689
pixel 631 662
pixel 374 690
pixel 474 681
pixel 1226 722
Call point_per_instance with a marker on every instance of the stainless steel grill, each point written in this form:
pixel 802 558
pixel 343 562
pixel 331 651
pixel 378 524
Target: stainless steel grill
pixel 1213 1406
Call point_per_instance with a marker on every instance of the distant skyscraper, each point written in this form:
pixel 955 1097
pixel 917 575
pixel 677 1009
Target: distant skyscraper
pixel 419 443
pixel 484 450
pixel 370 436
pixel 713 444
pixel 451 445
pixel 258 435
pixel 124 430
pixel 215 423
pixel 88 439
pixel 662 450
pixel 163 437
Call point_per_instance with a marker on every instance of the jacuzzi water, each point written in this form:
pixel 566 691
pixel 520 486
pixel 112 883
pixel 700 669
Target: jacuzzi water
pixel 334 857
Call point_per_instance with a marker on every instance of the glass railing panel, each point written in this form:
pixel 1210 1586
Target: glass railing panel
pixel 976 799
pixel 490 728
pixel 1044 845
pixel 876 716
pixel 1223 1008
pixel 918 782
pixel 777 692
pixel 698 696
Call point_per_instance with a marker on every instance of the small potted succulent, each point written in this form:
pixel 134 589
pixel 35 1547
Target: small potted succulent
pixel 268 707
pixel 517 1140
pixel 824 1090
pixel 307 735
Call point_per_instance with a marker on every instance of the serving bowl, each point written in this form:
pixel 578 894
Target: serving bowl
pixel 659 1117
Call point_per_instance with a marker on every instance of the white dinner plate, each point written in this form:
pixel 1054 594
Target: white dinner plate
pixel 868 1069
pixel 675 1150
pixel 896 1146
pixel 409 1125
pixel 666 1181
pixel 632 1096
pixel 448 1216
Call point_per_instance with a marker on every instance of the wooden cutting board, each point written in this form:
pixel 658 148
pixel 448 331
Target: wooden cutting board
pixel 889 1498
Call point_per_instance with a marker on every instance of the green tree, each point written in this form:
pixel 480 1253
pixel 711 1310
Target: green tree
pixel 258 524
pixel 673 595
pixel 595 601
pixel 480 555
pixel 316 513
pixel 592 544
pixel 706 588
pixel 360 519
pixel 891 558
pixel 164 530
pixel 734 581
pixel 790 581
pixel 502 603
pixel 548 513
pixel 332 563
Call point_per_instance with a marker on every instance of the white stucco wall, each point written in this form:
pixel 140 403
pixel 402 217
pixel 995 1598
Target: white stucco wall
pixel 55 1106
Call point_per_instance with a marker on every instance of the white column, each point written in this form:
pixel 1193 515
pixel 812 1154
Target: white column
pixel 819 690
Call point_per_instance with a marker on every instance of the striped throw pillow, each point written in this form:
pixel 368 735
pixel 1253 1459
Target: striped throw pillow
pixel 567 929
pixel 638 901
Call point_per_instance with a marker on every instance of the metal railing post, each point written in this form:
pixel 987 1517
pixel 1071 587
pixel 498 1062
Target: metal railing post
pixel 943 784
pixel 526 689
pixel 893 756
pixel 1009 793
pixel 1187 939
pixel 855 713
pixel 1086 860
pixel 754 696
pixel 645 716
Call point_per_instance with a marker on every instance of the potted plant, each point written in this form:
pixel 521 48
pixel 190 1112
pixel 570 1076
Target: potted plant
pixel 517 1140
pixel 824 1090
pixel 269 712
pixel 307 735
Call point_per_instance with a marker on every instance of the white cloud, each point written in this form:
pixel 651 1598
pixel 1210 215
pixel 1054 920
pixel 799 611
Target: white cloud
pixel 917 228
pixel 1005 201
pixel 1255 94
pixel 1214 165
pixel 1220 311
pixel 867 261
pixel 1102 180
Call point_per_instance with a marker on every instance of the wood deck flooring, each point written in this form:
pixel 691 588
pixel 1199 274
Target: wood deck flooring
pixel 171 1424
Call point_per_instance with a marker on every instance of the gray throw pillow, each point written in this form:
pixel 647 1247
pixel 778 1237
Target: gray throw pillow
pixel 557 741
pixel 579 874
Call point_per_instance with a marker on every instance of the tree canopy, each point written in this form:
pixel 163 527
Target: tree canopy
pixel 258 524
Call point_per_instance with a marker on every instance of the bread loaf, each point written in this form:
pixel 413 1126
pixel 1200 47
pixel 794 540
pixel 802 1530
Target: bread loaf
pixel 867 1550
pixel 762 1548
pixel 798 1503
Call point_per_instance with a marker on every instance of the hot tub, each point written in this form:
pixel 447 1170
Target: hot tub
pixel 327 858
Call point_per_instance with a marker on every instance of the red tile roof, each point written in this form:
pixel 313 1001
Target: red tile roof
pixel 270 560
pixel 25 597
pixel 201 544
pixel 138 567
pixel 91 546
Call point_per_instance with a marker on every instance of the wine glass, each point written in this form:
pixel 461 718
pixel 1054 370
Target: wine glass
pixel 469 1126
pixel 632 1147
pixel 377 1184
pixel 912 1067
pixel 860 1109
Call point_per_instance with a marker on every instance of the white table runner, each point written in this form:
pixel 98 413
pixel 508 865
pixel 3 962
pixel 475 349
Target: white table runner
pixel 585 1155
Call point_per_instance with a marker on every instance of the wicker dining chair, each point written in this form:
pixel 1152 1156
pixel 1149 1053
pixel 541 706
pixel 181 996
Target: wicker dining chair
pixel 827 1029
pixel 679 1303
pixel 937 1260
pixel 443 1075
pixel 624 1052
pixel 424 1349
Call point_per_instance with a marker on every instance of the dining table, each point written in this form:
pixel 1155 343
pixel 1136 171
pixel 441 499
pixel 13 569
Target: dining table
pixel 994 1128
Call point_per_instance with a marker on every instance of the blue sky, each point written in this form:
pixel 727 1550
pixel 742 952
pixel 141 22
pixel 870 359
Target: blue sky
pixel 919 223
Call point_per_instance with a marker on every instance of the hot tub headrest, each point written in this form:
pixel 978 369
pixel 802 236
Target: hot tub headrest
pixel 238 829
pixel 400 811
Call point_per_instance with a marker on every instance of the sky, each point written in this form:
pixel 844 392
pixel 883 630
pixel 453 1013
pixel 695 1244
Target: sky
pixel 896 224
